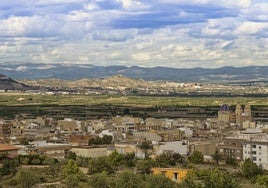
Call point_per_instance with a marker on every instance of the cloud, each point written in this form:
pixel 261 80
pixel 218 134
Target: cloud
pixel 250 28
pixel 176 33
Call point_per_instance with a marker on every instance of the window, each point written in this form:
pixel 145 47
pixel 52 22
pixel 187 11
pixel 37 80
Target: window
pixel 175 175
pixel 254 152
pixel 259 159
pixel 259 147
pixel 253 146
pixel 254 158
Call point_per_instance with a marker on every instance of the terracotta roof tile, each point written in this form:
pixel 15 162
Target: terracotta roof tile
pixel 4 147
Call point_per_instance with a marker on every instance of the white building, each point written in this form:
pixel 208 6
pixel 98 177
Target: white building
pixel 180 147
pixel 257 150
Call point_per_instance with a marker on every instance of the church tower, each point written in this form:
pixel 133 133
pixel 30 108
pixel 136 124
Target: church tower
pixel 238 114
pixel 247 112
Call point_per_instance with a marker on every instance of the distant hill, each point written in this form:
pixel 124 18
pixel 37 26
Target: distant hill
pixel 7 83
pixel 118 82
pixel 79 71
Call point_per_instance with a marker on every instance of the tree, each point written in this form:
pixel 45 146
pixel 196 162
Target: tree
pixel 116 158
pixel 71 155
pixel 196 157
pixel 191 181
pixel 212 178
pixel 217 157
pixel 128 179
pixel 165 160
pixel 106 139
pixel 27 178
pixel 217 179
pixel 146 147
pixel 99 180
pixel 262 180
pixel 159 181
pixel 231 161
pixel 8 167
pixel 129 159
pixel 72 174
pixel 99 165
pixel 144 166
pixel 250 169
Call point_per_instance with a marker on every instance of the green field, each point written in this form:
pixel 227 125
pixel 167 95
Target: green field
pixel 22 99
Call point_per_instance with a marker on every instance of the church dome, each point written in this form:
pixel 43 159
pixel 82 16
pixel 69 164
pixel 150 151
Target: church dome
pixel 224 107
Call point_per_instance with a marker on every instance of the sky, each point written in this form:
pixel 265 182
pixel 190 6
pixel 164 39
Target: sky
pixel 147 33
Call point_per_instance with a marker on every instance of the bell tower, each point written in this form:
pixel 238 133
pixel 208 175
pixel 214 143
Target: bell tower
pixel 238 114
pixel 247 112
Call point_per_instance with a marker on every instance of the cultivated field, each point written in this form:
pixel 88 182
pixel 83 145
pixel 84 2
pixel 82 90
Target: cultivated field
pixel 18 99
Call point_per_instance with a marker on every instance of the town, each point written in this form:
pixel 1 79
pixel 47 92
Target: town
pixel 232 137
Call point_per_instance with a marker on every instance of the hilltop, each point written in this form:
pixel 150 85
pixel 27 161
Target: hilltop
pixel 7 83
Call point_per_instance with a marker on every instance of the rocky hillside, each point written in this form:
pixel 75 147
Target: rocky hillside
pixel 114 82
pixel 7 83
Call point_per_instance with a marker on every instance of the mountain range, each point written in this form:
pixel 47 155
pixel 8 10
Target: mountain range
pixel 35 71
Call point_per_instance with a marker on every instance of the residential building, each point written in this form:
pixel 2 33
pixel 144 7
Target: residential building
pixel 93 151
pixel 125 124
pixel 175 174
pixel 206 148
pixel 180 147
pixel 257 151
pixel 5 128
pixel 47 149
pixel 68 124
pixel 233 147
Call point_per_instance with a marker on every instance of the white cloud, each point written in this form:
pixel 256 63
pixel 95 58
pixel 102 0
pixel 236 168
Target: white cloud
pixel 249 28
pixel 141 56
pixel 175 33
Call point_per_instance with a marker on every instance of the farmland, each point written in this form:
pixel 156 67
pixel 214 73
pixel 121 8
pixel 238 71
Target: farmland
pixel 105 106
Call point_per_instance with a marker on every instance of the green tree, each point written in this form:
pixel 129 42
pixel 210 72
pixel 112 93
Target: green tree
pixel 191 181
pixel 144 166
pixel 178 158
pixel 116 158
pixel 71 168
pixel 250 169
pixel 128 179
pixel 165 160
pixel 100 180
pixel 231 161
pixel 99 165
pixel 262 180
pixel 217 157
pixel 212 178
pixel 27 178
pixel 146 147
pixel 82 161
pixel 159 181
pixel 217 179
pixel 8 167
pixel 71 155
pixel 196 157
pixel 72 174
pixel 129 159
pixel 106 139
